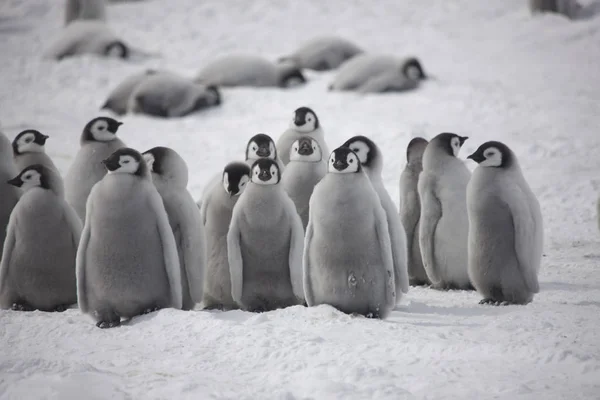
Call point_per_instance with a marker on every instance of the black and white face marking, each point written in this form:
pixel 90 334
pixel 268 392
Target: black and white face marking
pixel 306 149
pixel 493 154
pixel 101 129
pixel 149 159
pixel 125 161
pixel 265 172
pixel 413 70
pixel 363 147
pixel 261 146
pixel 343 161
pixel 30 177
pixel 236 176
pixel 415 149
pixel 116 50
pixel 292 77
pixel 154 159
pixel 29 141
pixel 451 142
pixel 304 120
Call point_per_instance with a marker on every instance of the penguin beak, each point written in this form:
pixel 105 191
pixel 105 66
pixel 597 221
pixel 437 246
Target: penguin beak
pixel 340 165
pixel 44 138
pixel 115 126
pixel 18 182
pixel 263 152
pixel 264 175
pixel 299 120
pixel 305 149
pixel 111 163
pixel 462 139
pixel 477 157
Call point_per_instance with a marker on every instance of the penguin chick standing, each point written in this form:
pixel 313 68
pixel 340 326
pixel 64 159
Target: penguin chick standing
pixel 28 149
pixel 305 123
pixel 98 141
pixel 371 161
pixel 216 215
pixel 347 251
pixel 305 169
pixel 9 194
pixel 38 264
pixel 264 244
pixel 410 209
pixel 444 224
pixel 127 262
pixel 170 176
pixel 506 232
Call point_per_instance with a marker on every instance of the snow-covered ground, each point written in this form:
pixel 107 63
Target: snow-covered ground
pixel 533 83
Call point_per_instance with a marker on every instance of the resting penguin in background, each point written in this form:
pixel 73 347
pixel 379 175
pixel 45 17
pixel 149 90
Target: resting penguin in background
pixel 249 70
pixel 88 37
pixel 369 73
pixel 169 95
pixel 84 10
pixel 323 53
pixel 9 194
pixel 506 233
pixel 37 271
pixel 569 8
pixel 119 97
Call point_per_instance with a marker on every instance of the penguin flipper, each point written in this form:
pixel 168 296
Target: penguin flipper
pixel 385 247
pixel 80 261
pixel 9 244
pixel 296 250
pixel 234 256
pixel 194 251
pixel 306 270
pixel 399 247
pixel 431 212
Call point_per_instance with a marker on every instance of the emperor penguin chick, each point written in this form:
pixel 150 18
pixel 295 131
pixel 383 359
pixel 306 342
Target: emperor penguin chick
pixel 444 224
pixel 506 232
pixel 127 262
pixel 305 169
pixel 170 176
pixel 264 244
pixel 305 123
pixel 216 212
pixel 410 209
pixel 9 194
pixel 371 161
pixel 347 259
pixel 38 264
pixel 98 141
pixel 28 149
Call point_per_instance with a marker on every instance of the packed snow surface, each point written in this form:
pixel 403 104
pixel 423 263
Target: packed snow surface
pixel 533 83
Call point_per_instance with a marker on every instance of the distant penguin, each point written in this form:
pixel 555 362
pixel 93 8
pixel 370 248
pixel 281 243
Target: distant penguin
pixel 369 73
pixel 127 261
pixel 170 176
pixel 444 224
pixel 506 233
pixel 216 213
pixel 264 244
pixel 571 9
pixel 305 169
pixel 85 10
pixel 28 149
pixel 88 37
pixel 410 209
pixel 119 97
pixel 98 141
pixel 304 123
pixel 37 271
pixel 323 53
pixel 371 161
pixel 169 95
pixel 347 251
pixel 9 194
pixel 249 70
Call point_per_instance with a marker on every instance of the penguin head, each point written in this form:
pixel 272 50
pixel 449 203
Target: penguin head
pixel 290 75
pixel 304 120
pixel 209 97
pixel 413 70
pixel 306 149
pixel 29 141
pixel 265 172
pixel 126 161
pixel 100 129
pixel 261 146
pixel 493 154
pixel 38 175
pixel 167 165
pixel 415 149
pixel 450 143
pixel 367 151
pixel 344 161
pixel 116 49
pixel 235 177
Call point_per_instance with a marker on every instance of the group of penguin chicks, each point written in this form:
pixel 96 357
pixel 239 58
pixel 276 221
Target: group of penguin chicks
pixel 291 225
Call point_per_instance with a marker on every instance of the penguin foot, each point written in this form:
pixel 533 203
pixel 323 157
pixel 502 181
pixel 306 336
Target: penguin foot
pixel 60 308
pixel 487 301
pixel 107 324
pixel 493 302
pixel 372 315
pixel 214 306
pixel 149 310
pixel 22 307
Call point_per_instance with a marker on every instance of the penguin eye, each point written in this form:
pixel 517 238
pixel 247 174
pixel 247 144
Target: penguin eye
pixel 356 149
pixel 126 162
pixel 295 148
pixel 351 160
pixel 28 140
pixel 254 148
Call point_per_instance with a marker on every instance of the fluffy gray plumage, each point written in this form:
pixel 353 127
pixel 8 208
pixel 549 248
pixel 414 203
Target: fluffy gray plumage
pixel 304 123
pixel 444 223
pixel 265 241
pixel 119 97
pixel 347 252
pixel 38 263
pixel 127 262
pixel 170 176
pixel 85 10
pixel 505 228
pixel 410 210
pixel 323 53
pixel 9 194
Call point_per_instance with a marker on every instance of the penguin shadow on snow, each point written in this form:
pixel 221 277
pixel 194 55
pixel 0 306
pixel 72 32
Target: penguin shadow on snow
pixel 417 307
